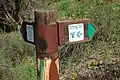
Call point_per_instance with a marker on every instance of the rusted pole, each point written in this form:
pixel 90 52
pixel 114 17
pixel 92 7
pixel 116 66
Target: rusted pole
pixel 46 40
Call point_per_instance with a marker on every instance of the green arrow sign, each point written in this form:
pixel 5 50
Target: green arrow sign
pixel 91 30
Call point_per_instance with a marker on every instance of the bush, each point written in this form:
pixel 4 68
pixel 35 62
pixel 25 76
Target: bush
pixel 13 51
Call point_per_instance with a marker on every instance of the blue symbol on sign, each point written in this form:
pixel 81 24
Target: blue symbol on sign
pixel 30 33
pixel 73 34
pixel 79 34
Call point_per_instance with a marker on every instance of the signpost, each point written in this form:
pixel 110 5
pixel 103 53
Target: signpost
pixel 28 32
pixel 46 34
pixel 75 31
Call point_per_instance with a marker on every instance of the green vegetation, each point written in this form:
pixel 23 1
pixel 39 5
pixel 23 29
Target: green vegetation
pixel 98 59
pixel 16 58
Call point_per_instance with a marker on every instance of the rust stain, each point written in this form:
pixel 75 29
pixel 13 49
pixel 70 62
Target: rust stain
pixel 46 40
pixel 53 73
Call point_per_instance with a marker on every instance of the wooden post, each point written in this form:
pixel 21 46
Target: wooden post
pixel 46 41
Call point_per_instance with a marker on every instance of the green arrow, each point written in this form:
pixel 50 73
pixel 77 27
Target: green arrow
pixel 91 30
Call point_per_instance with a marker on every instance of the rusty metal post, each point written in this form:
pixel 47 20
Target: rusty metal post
pixel 46 41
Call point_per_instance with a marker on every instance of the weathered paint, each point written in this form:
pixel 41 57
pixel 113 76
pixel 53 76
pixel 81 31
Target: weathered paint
pixel 47 68
pixel 54 70
pixel 42 69
pixel 46 37
pixel 46 40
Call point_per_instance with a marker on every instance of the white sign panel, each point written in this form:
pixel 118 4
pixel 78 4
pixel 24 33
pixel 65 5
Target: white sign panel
pixel 30 33
pixel 76 32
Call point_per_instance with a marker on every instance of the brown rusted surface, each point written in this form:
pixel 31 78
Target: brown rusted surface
pixel 63 30
pixel 52 55
pixel 46 37
pixel 45 18
pixel 46 40
pixel 53 73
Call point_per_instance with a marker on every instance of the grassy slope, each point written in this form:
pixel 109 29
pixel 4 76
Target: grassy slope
pixel 95 60
pixel 100 58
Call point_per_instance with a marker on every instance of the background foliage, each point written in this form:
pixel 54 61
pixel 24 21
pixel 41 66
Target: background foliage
pixel 98 59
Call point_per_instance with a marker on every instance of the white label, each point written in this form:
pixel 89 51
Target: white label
pixel 30 33
pixel 76 32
